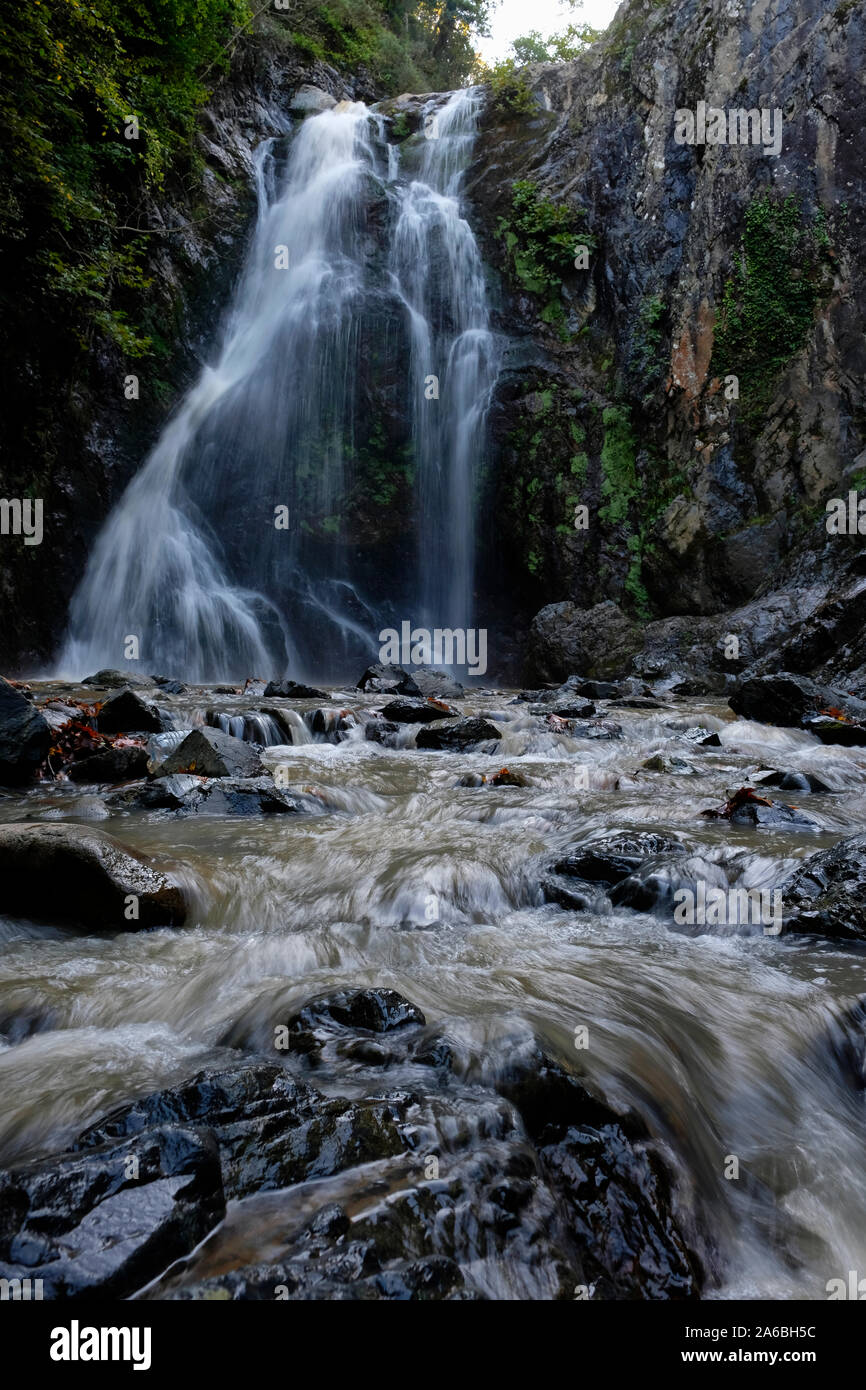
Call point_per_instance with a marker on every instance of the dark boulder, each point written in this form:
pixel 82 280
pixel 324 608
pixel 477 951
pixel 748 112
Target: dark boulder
pixel 407 711
pixel 292 690
pixel 791 781
pixel 106 1220
pixel 388 680
pixel 616 856
pixel 126 712
pixel 789 700
pixel 428 680
pixel 212 753
pixel 24 737
pixel 827 895
pixel 80 875
pixel 464 733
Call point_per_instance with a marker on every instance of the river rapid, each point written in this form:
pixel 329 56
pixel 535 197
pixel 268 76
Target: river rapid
pixel 715 1036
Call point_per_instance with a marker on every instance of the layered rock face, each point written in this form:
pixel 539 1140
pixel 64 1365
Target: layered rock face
pixel 705 262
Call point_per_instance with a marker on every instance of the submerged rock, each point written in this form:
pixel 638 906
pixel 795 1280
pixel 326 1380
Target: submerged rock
pixel 827 896
pixel 24 737
pixel 791 781
pixel 83 876
pixel 464 733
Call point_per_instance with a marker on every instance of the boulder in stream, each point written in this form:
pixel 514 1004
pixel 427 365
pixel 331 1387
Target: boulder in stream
pixel 126 712
pixel 462 734
pixel 408 711
pixel 212 753
pixel 827 895
pixel 793 701
pixel 79 875
pixel 523 1176
pixel 24 737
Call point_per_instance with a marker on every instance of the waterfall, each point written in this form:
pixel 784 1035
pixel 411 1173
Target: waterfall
pixel 228 555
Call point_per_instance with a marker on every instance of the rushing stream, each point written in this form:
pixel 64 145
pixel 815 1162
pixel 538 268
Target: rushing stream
pixel 716 1036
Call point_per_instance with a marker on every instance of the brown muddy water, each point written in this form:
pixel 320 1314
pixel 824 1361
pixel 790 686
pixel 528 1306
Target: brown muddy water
pixel 406 880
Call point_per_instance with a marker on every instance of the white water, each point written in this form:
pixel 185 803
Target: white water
pixel 190 561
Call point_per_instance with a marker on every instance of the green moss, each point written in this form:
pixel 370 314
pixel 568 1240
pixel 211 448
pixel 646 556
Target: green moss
pixel 769 301
pixel 618 476
pixel 648 361
pixel 540 236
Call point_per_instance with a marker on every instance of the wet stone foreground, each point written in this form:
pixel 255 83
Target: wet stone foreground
pixel 382 994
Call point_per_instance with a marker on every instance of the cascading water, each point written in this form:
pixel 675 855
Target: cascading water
pixel 191 561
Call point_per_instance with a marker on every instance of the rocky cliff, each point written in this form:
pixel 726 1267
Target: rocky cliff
pixel 699 385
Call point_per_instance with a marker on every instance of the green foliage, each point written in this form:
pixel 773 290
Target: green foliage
pixel 510 91
pixel 618 476
pixel 540 237
pixel 574 40
pixel 769 301
pixel 73 73
pixel 648 361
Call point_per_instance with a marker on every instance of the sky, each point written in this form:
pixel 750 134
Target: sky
pixel 512 18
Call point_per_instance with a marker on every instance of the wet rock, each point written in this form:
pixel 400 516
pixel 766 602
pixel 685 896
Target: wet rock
pixel 371 1011
pixel 744 807
pixel 598 690
pixel 77 874
pixel 674 767
pixel 616 1190
pixel 636 702
pixel 430 681
pixel 212 753
pixel 222 796
pixel 827 896
pixel 599 641
pixel 565 709
pixel 24 737
pixel 169 686
pixel 691 687
pixel 378 730
pixel 107 1220
pixel 597 729
pixel 790 700
pixel 115 680
pixel 162 794
pixel 309 101
pixel 110 765
pixel 407 711
pixel 711 741
pixel 292 690
pixel 791 781
pixel 464 733
pixel 613 858
pixel 332 724
pixel 830 729
pixel 388 680
pixel 126 712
